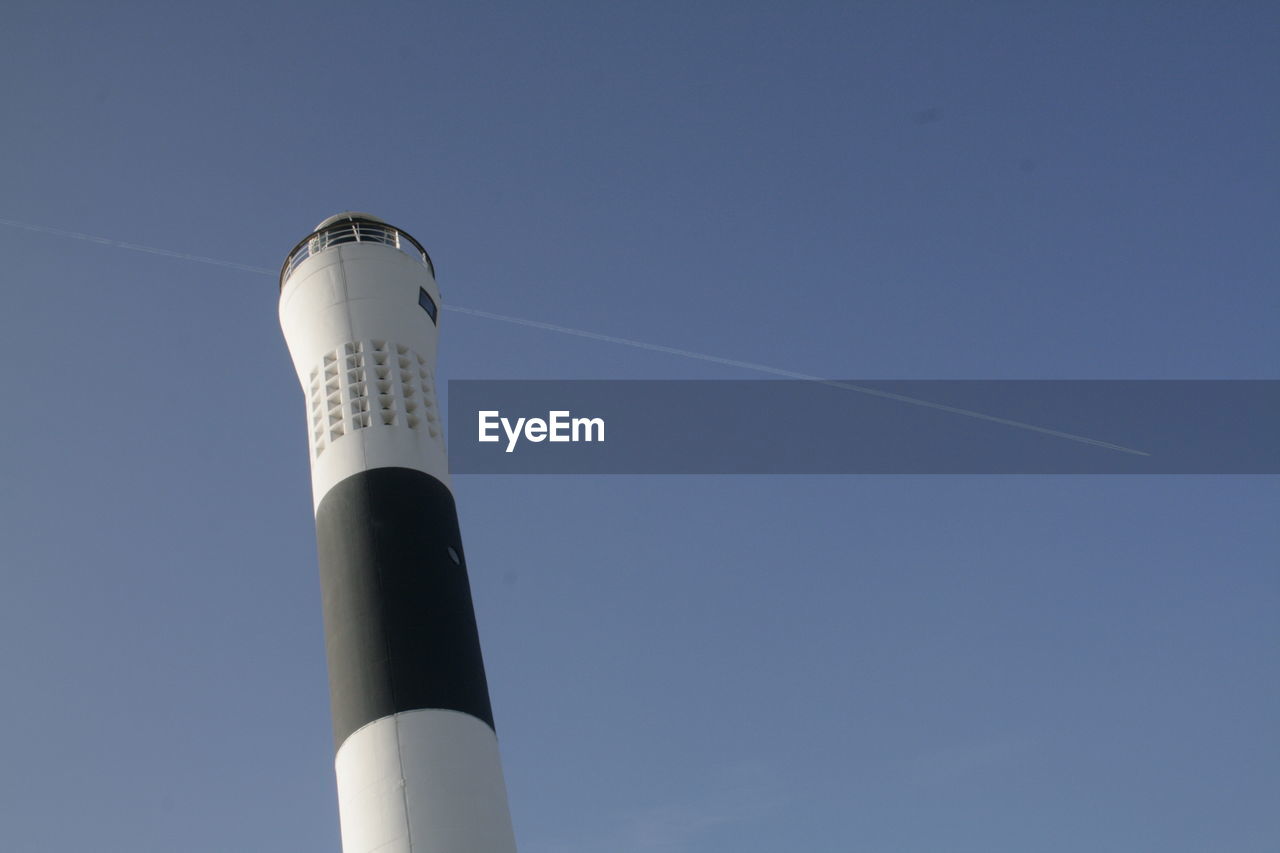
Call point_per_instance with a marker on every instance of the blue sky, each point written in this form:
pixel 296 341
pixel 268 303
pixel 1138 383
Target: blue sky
pixel 872 190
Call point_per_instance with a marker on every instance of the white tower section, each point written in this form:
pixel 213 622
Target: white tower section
pixel 364 356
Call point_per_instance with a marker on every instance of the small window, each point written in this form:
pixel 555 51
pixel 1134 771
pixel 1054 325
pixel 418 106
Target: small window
pixel 428 304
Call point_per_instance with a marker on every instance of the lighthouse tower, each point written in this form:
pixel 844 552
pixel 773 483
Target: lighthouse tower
pixel 416 754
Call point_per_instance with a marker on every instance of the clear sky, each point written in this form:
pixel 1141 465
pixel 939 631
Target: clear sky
pixel 720 665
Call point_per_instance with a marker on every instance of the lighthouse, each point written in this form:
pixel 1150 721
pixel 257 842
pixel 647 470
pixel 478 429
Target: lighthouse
pixel 416 753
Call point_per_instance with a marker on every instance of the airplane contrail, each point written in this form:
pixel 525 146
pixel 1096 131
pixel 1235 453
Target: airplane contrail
pixel 613 339
pixel 134 247
pixel 791 374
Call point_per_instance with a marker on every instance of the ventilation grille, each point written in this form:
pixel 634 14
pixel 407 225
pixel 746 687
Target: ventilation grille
pixel 367 384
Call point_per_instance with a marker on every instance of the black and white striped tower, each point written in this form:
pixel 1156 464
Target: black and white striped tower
pixel 417 758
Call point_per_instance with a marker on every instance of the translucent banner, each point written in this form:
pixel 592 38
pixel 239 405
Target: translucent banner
pixel 864 427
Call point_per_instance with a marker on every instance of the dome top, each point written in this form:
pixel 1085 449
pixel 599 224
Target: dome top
pixel 353 227
pixel 349 216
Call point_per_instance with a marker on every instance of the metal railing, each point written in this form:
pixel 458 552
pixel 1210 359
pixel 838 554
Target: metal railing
pixel 354 231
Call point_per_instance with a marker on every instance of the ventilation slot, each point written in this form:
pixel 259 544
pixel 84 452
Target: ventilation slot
pixel 322 394
pixel 343 387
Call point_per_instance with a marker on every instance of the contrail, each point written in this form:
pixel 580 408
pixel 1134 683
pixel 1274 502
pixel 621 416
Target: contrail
pixel 791 374
pixel 613 339
pixel 134 247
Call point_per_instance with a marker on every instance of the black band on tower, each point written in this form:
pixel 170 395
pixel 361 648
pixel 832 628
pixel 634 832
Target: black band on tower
pixel 399 624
